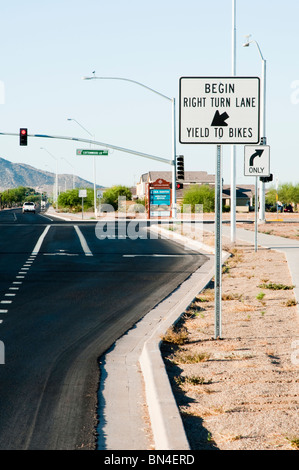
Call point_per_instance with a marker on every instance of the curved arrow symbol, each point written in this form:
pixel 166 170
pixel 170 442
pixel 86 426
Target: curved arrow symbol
pixel 258 153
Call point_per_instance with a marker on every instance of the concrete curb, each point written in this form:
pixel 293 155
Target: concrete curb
pixel 166 423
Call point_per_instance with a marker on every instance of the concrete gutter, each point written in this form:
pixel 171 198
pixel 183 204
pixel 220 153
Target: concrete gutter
pixel 167 426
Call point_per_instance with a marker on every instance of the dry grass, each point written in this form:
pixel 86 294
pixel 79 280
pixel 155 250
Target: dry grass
pixel 243 389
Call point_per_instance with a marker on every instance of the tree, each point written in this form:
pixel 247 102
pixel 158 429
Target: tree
pixel 286 193
pixel 16 196
pixel 200 195
pixel 270 198
pixel 70 200
pixel 111 195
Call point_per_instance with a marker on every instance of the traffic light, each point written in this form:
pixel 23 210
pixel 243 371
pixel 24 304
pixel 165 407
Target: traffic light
pixel 180 167
pixel 266 179
pixel 23 136
pixel 179 186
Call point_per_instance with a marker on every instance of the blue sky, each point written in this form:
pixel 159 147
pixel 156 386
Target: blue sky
pixel 46 47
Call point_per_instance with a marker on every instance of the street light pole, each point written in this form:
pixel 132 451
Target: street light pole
pixel 56 178
pixel 263 122
pixel 73 184
pixel 94 170
pixel 173 163
pixel 233 203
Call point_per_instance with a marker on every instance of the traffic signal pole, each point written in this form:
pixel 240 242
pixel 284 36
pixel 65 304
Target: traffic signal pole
pixel 103 144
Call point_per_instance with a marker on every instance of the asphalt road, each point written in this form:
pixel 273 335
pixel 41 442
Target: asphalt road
pixel 65 297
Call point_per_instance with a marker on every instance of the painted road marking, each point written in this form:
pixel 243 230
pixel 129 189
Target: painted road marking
pixel 83 242
pixel 24 270
pixel 153 256
pixel 40 241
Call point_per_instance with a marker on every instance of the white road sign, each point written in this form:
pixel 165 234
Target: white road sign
pixel 219 110
pixel 256 160
pixel 82 193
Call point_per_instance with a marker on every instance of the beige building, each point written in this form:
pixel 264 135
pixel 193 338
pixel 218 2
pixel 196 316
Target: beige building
pixel 244 196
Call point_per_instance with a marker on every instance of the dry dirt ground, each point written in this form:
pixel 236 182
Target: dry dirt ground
pixel 240 392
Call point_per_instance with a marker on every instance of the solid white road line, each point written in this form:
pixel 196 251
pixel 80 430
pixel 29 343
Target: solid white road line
pixel 40 241
pixel 83 242
pixel 46 217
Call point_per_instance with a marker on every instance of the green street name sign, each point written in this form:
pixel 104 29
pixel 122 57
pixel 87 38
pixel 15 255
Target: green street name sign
pixel 91 152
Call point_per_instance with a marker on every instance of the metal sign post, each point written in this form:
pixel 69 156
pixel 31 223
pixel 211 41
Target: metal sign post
pixel 256 204
pixel 218 243
pixel 82 194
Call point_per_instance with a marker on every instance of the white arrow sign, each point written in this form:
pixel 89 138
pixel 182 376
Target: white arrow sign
pixel 256 160
pixel 219 111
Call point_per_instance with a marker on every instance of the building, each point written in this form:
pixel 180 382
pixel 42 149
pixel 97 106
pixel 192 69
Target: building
pixel 244 196
pixel 191 177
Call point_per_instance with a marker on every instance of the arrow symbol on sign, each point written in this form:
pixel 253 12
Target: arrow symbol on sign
pixel 258 153
pixel 219 119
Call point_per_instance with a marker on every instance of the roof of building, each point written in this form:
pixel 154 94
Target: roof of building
pixel 243 191
pixel 190 177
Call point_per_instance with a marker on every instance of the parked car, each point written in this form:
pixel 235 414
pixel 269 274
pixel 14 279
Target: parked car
pixel 28 207
pixel 288 208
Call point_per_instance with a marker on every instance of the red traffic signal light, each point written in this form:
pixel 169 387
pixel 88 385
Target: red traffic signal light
pixel 23 136
pixel 179 186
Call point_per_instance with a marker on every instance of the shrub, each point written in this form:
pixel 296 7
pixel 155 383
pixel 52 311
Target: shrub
pixel 111 195
pixel 197 195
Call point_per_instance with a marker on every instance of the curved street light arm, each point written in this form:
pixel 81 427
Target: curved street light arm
pixel 129 80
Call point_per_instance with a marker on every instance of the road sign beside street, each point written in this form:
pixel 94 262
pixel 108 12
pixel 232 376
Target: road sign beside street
pixel 256 160
pixel 91 152
pixel 219 110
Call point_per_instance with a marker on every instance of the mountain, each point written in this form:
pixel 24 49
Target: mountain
pixel 13 175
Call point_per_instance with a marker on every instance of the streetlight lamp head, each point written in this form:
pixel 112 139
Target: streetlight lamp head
pixel 247 40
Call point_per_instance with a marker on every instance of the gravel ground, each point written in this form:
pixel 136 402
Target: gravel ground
pixel 240 392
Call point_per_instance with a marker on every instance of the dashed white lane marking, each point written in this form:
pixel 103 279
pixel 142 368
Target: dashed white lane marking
pixel 24 270
pixel 83 242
